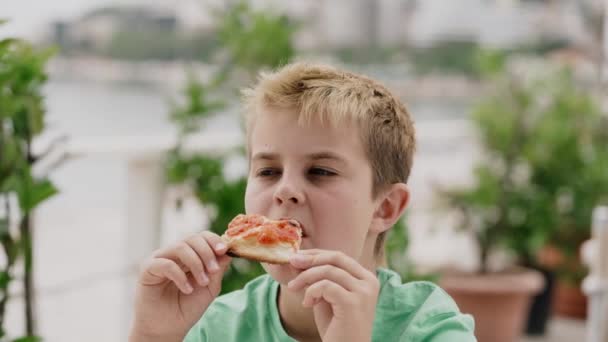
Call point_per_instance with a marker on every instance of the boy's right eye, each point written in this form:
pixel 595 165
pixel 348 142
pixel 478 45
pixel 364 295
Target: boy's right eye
pixel 267 172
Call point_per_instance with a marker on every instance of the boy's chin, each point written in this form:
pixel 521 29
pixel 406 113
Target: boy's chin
pixel 282 273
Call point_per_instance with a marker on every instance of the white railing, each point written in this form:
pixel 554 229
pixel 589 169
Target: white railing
pixel 146 185
pixel 595 285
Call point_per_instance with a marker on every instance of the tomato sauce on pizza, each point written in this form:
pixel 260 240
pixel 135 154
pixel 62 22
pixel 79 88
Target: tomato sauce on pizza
pixel 259 238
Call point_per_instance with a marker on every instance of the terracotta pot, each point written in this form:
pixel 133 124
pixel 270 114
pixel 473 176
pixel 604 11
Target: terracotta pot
pixel 569 301
pixel 499 302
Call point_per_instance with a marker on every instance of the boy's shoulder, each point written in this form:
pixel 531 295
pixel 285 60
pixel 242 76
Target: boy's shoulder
pixel 413 293
pixel 394 293
pixel 417 308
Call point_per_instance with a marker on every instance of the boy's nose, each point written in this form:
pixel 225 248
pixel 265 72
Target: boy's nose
pixel 288 193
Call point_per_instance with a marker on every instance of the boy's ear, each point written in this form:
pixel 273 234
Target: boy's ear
pixel 391 205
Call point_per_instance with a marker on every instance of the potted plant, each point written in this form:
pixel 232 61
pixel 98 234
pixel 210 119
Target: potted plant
pixel 543 171
pixel 502 210
pixel 568 161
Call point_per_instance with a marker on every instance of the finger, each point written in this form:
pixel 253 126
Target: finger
pixel 224 262
pixel 315 257
pixel 192 261
pixel 204 252
pixel 318 273
pixel 161 269
pixel 215 241
pixel 327 290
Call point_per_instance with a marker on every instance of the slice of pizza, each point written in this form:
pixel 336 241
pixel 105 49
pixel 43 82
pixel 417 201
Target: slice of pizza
pixel 259 238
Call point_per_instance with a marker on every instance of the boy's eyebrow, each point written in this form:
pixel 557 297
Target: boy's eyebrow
pixel 326 155
pixel 312 156
pixel 265 156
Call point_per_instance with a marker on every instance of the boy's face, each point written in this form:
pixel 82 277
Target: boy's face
pixel 316 174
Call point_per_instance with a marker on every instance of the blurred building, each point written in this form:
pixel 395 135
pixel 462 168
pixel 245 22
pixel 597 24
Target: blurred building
pixel 338 24
pixel 95 29
pixel 501 23
pixel 346 23
pixel 363 23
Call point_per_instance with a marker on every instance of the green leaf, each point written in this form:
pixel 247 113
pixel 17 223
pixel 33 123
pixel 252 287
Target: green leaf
pixel 28 339
pixel 41 191
pixel 256 39
pixel 5 278
pixel 7 42
pixel 4 227
pixel 10 157
pixel 32 192
pixel 192 115
pixel 491 62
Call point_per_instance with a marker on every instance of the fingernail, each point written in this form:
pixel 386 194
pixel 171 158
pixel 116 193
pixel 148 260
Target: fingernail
pixel 213 266
pixel 188 288
pixel 220 246
pixel 290 284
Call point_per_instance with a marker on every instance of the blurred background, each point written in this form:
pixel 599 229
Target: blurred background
pixel 121 133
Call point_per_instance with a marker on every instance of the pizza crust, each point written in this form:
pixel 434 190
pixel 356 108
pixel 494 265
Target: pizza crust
pixel 250 249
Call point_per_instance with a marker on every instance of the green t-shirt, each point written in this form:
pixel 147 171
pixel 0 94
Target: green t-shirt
pixel 416 311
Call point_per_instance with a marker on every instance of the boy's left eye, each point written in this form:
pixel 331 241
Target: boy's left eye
pixel 316 171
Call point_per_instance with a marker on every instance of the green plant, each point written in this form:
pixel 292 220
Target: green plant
pixel 447 57
pixel 569 162
pixel 22 111
pixel 543 169
pixel 255 39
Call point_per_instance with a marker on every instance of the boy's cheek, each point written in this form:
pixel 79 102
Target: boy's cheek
pixel 255 198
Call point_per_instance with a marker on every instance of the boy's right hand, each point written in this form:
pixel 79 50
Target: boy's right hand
pixel 175 287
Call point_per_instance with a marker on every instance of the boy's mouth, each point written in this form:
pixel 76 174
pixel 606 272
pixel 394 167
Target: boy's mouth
pixel 296 223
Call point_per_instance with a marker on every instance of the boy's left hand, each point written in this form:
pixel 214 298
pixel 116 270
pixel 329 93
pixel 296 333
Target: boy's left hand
pixel 342 293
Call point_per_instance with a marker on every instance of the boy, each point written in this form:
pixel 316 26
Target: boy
pixel 332 150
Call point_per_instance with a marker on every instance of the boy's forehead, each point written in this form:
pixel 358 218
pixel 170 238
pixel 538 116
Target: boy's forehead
pixel 273 132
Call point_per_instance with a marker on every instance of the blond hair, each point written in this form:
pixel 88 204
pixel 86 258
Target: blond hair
pixel 322 92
